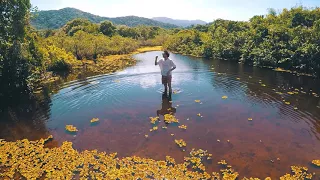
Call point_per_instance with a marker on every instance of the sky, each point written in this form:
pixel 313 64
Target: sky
pixel 207 10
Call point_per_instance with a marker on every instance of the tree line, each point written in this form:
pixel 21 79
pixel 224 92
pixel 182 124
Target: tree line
pixel 27 54
pixel 289 40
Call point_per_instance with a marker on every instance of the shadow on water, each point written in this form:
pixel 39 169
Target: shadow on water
pixel 125 100
pixel 23 114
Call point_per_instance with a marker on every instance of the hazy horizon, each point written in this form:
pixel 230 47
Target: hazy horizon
pixel 205 10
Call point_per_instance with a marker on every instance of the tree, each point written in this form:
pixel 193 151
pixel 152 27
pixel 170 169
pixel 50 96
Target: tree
pixel 107 28
pixel 14 60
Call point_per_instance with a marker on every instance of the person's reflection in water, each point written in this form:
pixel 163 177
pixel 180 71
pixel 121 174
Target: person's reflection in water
pixel 166 105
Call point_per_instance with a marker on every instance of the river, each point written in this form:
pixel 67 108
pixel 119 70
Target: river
pixel 284 108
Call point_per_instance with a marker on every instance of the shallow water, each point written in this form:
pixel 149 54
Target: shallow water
pixel 124 101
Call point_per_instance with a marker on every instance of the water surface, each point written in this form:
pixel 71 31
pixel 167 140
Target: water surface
pixel 124 101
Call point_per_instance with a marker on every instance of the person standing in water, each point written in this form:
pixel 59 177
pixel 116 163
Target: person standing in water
pixel 166 66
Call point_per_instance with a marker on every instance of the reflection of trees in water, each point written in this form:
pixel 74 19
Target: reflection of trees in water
pixel 23 115
pixel 281 82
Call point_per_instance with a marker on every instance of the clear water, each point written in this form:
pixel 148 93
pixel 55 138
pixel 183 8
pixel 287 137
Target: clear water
pixel 124 101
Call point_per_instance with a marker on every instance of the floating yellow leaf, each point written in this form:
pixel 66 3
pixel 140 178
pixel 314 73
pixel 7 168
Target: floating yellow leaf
pixel 224 97
pixel 288 103
pixel 316 162
pixel 263 85
pixel 183 127
pixel 197 101
pixel 180 142
pixel 250 119
pixel 223 162
pixel 295 108
pixel 94 120
pixel 155 128
pixel 153 120
pixel 238 78
pixel 169 118
pixel 291 93
pixel 71 128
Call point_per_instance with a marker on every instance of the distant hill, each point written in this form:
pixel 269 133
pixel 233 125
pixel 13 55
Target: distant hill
pixel 182 23
pixel 55 19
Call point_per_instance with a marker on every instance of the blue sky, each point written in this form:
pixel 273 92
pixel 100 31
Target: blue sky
pixel 206 10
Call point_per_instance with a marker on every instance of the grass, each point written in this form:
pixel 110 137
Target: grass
pixel 104 65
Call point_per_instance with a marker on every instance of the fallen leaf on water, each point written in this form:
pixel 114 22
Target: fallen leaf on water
pixel 197 101
pixel 155 128
pixel 218 140
pixel 238 78
pixel 223 162
pixel 183 127
pixel 180 142
pixel 94 120
pixel 228 140
pixel 316 162
pixel 71 128
pixel 295 108
pixel 224 97
pixel 291 93
pixel 146 136
pixel 169 118
pixel 199 115
pixel 172 134
pixel 250 119
pixel 153 120
pixel 288 103
pixel 164 127
pixel 263 85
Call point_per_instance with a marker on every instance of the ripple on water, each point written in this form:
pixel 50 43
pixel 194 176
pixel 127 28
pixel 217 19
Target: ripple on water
pixel 124 102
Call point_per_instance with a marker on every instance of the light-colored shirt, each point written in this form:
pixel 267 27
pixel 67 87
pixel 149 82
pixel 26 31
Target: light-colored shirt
pixel 165 66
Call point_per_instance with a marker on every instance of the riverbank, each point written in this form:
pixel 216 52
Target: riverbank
pixel 103 65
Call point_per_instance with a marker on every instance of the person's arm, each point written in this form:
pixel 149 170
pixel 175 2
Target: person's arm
pixel 173 67
pixel 156 61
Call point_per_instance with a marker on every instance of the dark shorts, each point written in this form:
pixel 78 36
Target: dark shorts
pixel 166 79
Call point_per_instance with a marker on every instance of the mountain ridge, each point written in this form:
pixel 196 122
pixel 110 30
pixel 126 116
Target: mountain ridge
pixel 180 22
pixel 54 19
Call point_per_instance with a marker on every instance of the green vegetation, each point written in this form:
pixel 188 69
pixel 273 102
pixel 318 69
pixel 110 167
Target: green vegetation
pixel 289 40
pixel 55 19
pixel 29 57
